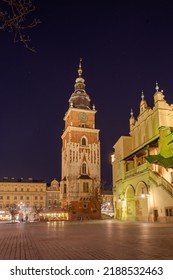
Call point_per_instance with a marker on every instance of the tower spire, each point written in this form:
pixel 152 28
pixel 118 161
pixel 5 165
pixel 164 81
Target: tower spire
pixel 80 68
pixel 79 98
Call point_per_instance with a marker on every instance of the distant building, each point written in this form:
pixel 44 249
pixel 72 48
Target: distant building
pixel 80 184
pixel 107 207
pixel 53 196
pixel 142 164
pixel 23 196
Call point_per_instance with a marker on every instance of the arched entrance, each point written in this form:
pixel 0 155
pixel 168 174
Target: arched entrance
pixel 141 196
pixel 130 202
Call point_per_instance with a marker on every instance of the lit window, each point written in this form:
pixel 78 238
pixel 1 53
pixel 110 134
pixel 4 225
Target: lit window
pixel 85 187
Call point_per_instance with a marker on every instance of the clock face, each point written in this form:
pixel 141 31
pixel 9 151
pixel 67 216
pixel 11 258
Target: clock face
pixel 82 117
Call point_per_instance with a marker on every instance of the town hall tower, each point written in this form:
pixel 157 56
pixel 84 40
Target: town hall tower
pixel 80 182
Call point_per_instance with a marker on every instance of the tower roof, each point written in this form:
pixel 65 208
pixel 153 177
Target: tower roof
pixel 79 98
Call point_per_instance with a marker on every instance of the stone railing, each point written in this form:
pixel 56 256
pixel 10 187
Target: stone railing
pixel 139 169
pixel 161 182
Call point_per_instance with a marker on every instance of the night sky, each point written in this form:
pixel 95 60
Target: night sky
pixel 126 46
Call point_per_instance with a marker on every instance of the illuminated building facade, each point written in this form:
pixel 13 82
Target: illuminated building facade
pixel 80 184
pixel 142 164
pixel 107 207
pixel 26 197
pixel 53 195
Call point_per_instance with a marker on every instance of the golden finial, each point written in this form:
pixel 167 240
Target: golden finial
pixel 131 113
pixel 80 68
pixel 142 96
pixel 157 87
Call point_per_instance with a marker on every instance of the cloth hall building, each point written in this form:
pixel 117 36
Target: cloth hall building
pixel 142 164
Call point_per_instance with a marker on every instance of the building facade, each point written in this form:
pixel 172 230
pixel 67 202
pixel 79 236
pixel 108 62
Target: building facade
pixel 107 207
pixel 53 196
pixel 142 164
pixel 23 197
pixel 80 184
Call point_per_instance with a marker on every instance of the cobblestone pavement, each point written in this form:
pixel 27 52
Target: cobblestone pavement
pixel 86 240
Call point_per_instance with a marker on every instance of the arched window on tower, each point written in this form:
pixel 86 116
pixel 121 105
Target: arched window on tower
pixel 84 168
pixel 84 141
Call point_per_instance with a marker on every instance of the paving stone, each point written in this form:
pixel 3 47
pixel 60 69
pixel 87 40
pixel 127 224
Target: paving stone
pixel 86 240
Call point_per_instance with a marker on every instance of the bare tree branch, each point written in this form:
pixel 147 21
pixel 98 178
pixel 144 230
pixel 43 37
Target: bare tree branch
pixel 16 19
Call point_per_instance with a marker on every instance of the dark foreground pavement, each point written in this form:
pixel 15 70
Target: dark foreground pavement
pixel 90 240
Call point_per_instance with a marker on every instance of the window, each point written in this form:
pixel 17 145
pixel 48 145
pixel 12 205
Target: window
pixel 85 187
pixel 27 198
pixel 65 189
pixel 28 190
pixel 84 168
pixel 1 197
pixel 85 205
pixel 8 197
pixel 36 197
pixel 84 141
pixel 15 189
pixel 21 189
pixel 15 197
pixel 169 211
pixel 21 198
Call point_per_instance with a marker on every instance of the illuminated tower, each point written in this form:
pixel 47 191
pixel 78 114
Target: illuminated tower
pixel 80 183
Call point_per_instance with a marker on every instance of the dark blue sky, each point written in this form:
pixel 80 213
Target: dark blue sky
pixel 126 47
